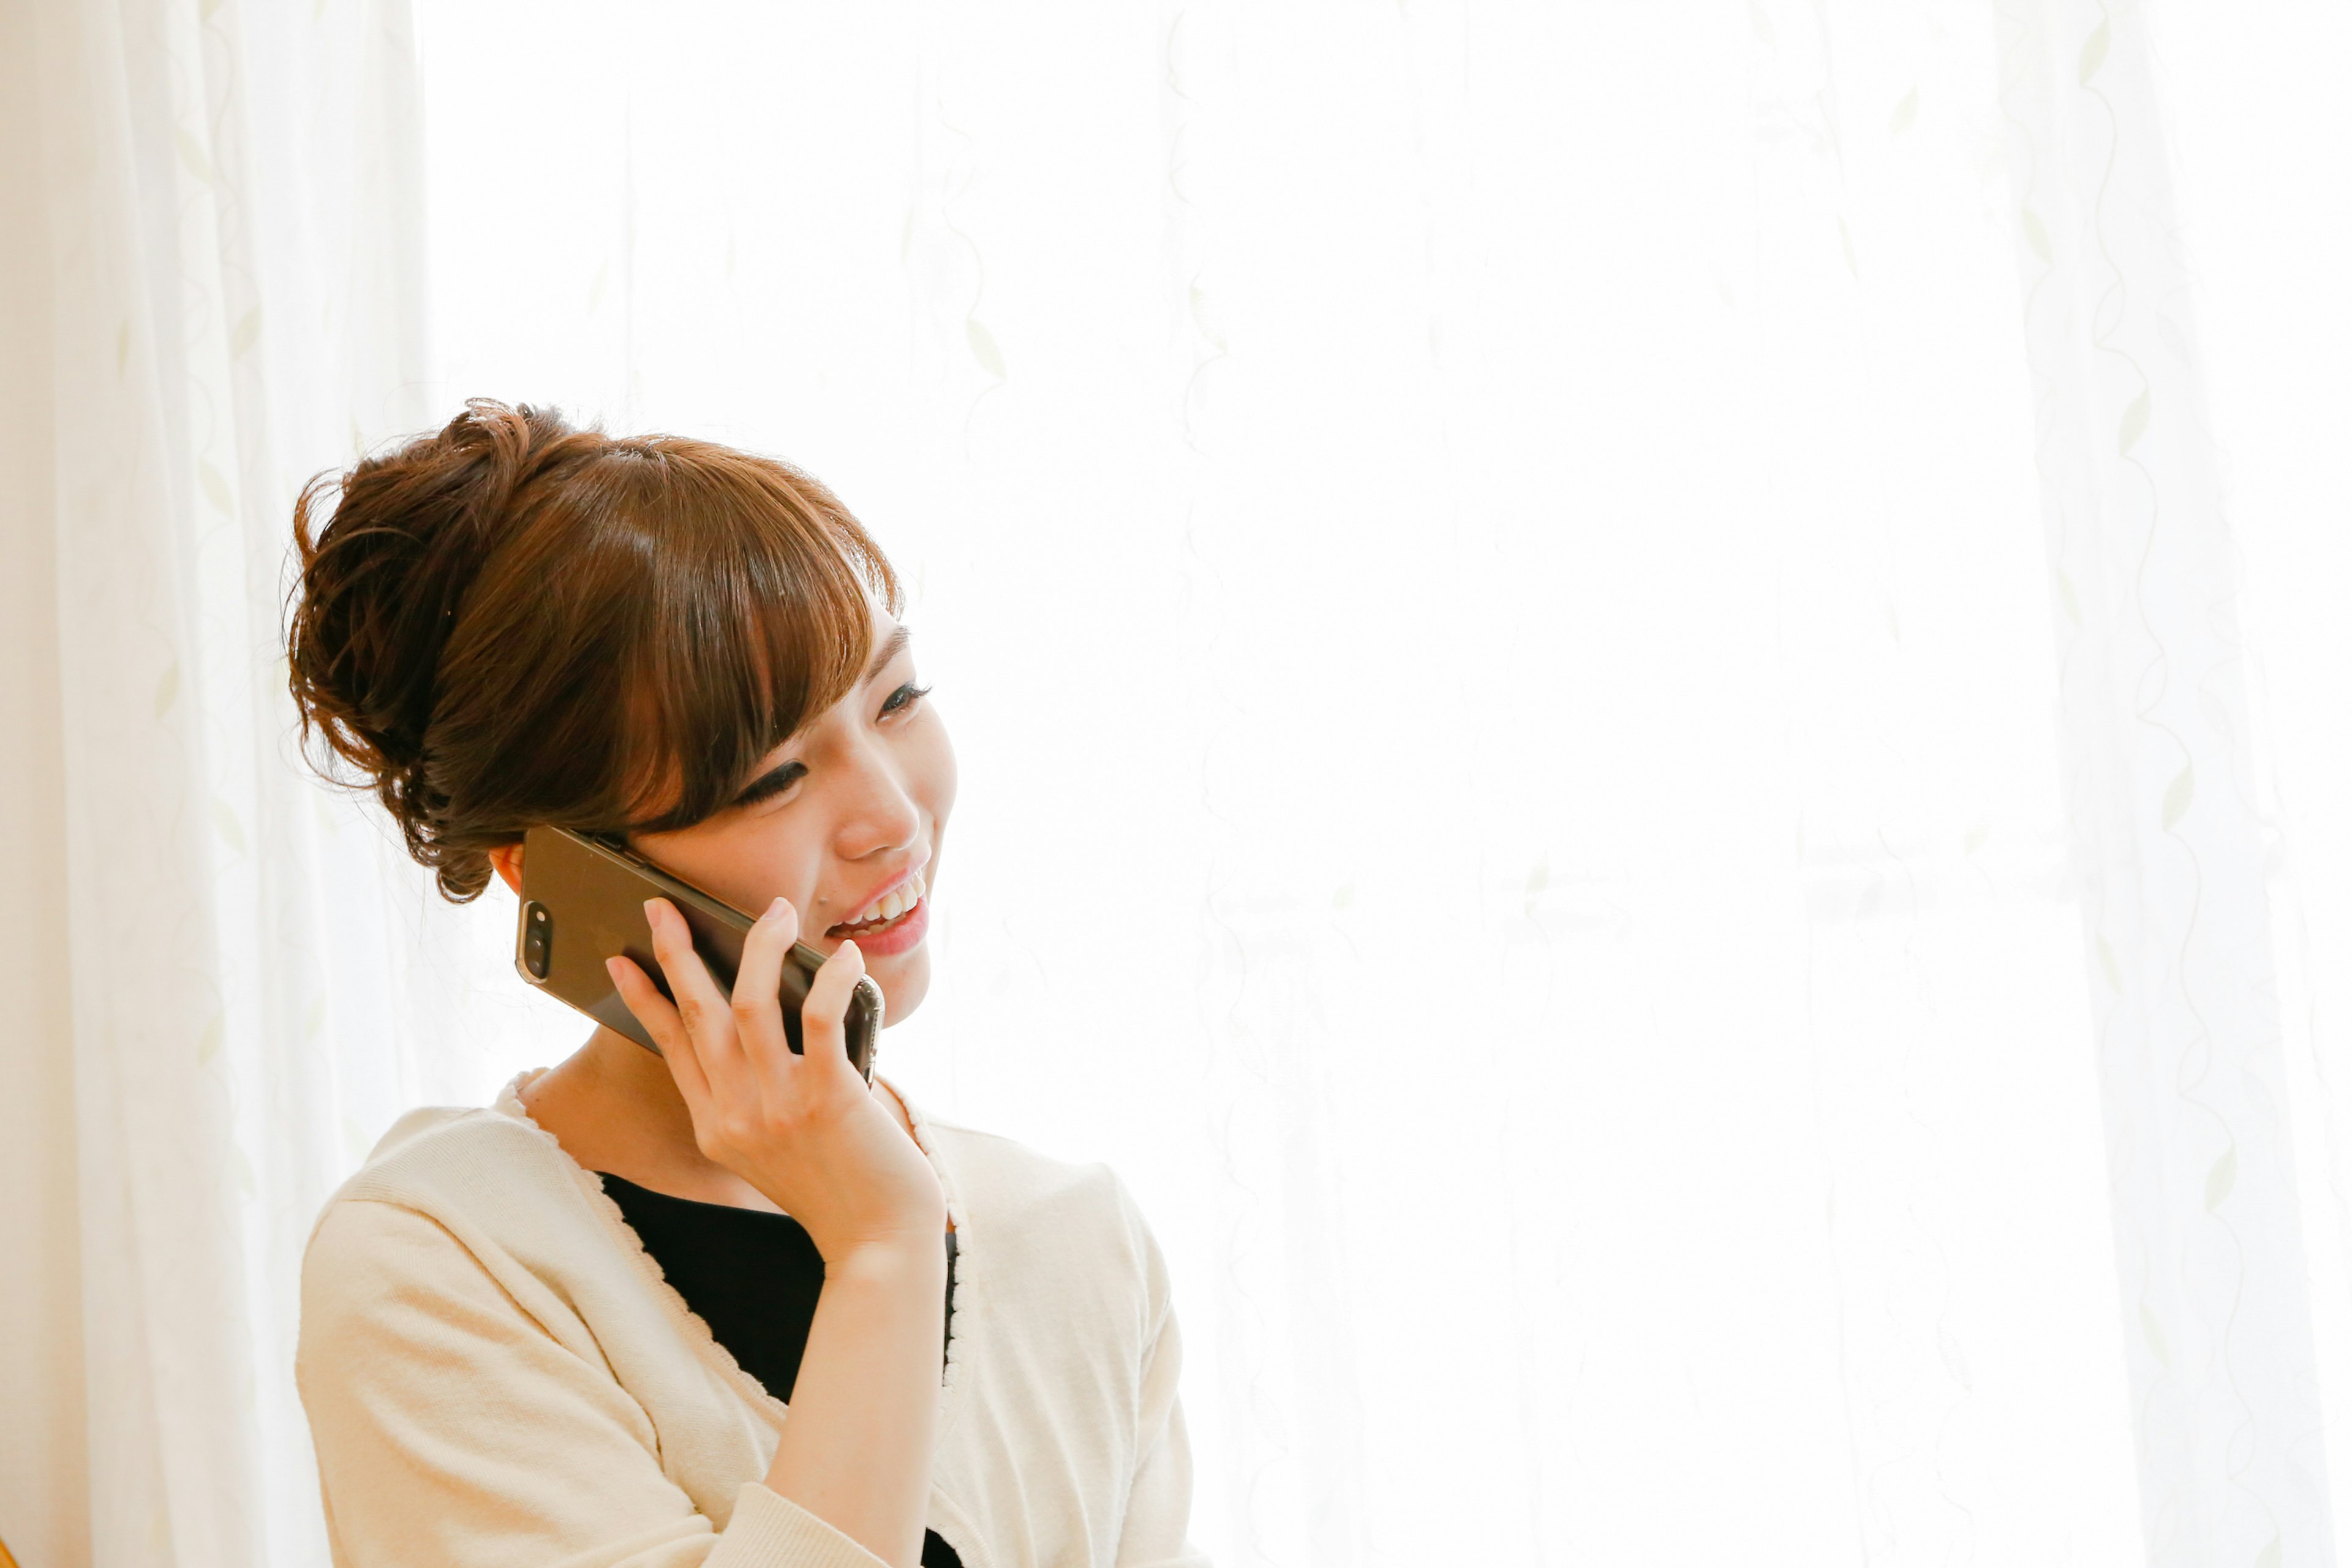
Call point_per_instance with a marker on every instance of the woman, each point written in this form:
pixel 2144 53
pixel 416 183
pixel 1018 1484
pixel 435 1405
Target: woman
pixel 565 1328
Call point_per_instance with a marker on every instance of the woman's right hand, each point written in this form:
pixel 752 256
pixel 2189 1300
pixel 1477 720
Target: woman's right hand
pixel 805 1130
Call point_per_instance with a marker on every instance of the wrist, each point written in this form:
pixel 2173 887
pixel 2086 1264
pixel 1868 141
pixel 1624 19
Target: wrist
pixel 898 1260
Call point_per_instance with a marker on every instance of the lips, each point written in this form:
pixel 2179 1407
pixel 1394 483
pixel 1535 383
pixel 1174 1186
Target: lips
pixel 884 908
pixel 894 935
pixel 867 927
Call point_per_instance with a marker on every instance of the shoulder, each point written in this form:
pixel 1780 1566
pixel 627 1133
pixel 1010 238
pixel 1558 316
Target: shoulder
pixel 1069 1222
pixel 459 1159
pixel 451 1191
pixel 1018 1181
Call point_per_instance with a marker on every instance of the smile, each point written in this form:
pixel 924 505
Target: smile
pixel 892 923
pixel 889 907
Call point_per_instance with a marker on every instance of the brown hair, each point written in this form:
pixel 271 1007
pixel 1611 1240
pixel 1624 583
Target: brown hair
pixel 513 621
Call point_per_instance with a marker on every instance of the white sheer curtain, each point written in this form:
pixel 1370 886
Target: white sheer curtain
pixel 1615 740
pixel 2268 229
pixel 2168 809
pixel 220 987
pixel 1605 747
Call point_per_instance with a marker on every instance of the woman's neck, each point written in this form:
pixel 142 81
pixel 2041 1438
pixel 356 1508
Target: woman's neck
pixel 614 1107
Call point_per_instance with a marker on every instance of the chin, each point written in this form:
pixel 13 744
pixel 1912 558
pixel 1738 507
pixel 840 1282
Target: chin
pixel 904 981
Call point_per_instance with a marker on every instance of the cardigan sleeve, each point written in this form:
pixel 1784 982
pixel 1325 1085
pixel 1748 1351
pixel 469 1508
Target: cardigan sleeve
pixel 453 1428
pixel 1159 1491
pixel 1159 1496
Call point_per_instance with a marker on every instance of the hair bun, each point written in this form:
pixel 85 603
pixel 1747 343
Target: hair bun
pixel 512 622
pixel 383 581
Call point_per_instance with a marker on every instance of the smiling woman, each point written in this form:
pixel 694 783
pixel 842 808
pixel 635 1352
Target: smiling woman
pixel 567 1326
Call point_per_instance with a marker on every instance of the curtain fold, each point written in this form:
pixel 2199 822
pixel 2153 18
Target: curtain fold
pixel 2166 807
pixel 231 196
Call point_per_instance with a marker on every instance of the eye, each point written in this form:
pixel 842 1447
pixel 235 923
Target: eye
pixel 904 698
pixel 770 784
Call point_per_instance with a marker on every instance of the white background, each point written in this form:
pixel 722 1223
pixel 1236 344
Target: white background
pixel 1485 568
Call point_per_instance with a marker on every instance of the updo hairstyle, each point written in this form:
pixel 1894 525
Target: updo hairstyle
pixel 513 621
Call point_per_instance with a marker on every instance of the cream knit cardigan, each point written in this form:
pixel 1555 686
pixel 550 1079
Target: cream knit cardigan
pixel 498 1376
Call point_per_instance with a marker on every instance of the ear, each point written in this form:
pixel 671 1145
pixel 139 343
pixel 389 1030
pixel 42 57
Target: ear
pixel 508 859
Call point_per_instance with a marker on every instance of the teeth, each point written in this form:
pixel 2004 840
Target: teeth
pixel 891 906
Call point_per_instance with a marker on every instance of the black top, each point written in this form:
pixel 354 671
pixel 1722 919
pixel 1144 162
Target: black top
pixel 753 1277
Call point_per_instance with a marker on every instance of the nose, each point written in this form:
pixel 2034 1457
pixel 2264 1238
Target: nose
pixel 880 817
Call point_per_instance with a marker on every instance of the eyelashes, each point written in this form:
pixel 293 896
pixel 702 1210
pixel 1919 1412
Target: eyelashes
pixel 776 781
pixel 770 784
pixel 904 698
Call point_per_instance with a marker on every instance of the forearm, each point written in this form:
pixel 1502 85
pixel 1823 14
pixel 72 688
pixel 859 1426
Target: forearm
pixel 856 1447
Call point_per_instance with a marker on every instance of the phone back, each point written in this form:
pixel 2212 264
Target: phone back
pixel 584 902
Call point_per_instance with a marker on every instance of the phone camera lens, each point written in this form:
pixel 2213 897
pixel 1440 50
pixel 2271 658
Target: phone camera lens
pixel 538 935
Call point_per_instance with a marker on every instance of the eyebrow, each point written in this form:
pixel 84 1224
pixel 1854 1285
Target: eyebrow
pixel 892 646
pixel 782 775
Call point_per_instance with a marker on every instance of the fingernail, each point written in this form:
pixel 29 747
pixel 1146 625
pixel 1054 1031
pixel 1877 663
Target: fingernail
pixel 649 910
pixel 613 973
pixel 775 908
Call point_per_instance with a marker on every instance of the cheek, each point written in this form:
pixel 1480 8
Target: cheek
pixel 743 866
pixel 933 774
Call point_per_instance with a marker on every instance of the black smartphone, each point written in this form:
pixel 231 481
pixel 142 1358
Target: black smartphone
pixel 584 902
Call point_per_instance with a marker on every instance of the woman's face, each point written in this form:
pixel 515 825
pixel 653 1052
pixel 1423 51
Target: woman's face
pixel 843 819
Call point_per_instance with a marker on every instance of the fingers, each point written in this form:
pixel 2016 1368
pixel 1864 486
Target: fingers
pixel 701 1005
pixel 823 1037
pixel 650 1006
pixel 759 1017
pixel 661 1021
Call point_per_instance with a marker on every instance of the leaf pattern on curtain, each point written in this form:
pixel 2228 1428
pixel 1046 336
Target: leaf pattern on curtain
pixel 235 269
pixel 2169 844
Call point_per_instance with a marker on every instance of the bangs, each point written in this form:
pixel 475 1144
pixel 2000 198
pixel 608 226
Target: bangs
pixel 756 615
